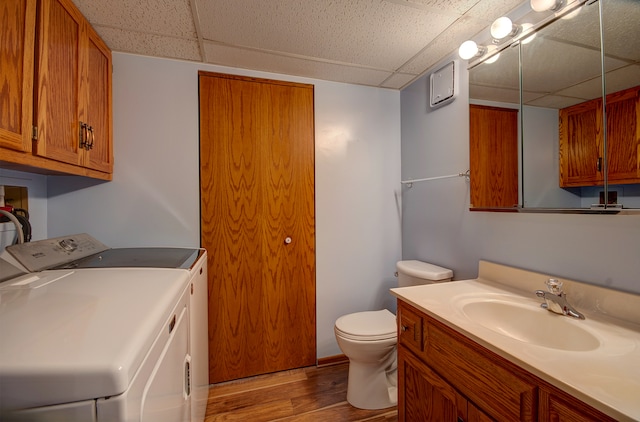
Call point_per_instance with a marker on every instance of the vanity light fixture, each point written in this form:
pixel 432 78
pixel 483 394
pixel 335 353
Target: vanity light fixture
pixel 544 5
pixel 469 49
pixel 525 28
pixel 503 27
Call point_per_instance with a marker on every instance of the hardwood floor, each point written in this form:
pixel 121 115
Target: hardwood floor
pixel 306 394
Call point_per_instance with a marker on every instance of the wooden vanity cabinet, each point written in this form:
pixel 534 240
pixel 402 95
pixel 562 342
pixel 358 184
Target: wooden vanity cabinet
pixel 582 141
pixel 445 376
pixel 69 123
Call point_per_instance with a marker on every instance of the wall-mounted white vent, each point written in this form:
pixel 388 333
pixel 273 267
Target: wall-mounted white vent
pixel 443 86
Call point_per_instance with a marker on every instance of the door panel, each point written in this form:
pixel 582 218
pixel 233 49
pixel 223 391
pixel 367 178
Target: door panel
pixel 58 79
pixel 257 190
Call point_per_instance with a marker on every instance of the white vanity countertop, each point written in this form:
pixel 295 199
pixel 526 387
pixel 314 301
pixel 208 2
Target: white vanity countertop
pixel 606 377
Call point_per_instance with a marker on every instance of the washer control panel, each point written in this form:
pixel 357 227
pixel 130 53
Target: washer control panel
pixel 48 253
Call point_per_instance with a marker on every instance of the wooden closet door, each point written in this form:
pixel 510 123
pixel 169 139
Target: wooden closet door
pixel 258 224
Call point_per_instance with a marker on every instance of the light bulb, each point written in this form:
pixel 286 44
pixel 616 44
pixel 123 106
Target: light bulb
pixel 502 27
pixel 544 5
pixel 469 49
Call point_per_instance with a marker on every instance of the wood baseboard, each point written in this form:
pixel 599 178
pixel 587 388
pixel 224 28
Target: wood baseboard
pixel 332 360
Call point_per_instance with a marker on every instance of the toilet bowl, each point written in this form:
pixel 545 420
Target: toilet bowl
pixel 369 340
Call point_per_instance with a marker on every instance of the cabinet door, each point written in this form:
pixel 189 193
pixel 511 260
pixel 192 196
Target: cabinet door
pixel 558 407
pixel 493 149
pixel 581 145
pixel 18 17
pixel 58 75
pixel 97 109
pixel 623 136
pixel 424 395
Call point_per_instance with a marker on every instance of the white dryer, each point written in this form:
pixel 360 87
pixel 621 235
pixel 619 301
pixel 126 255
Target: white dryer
pixel 113 341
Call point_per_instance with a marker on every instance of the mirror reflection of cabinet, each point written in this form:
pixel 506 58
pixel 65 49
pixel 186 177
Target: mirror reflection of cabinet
pixel 562 102
pixel 582 144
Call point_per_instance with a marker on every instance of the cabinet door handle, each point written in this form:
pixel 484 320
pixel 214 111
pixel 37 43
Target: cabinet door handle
pixel 92 138
pixel 599 164
pixel 82 135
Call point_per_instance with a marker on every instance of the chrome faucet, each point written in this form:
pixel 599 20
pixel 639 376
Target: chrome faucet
pixel 555 299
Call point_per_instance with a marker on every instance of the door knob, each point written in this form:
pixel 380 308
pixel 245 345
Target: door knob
pixel 287 240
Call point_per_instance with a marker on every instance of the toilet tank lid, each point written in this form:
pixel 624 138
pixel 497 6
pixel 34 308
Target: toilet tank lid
pixel 423 270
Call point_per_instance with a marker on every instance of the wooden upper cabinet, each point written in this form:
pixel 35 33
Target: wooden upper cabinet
pixel 73 106
pixel 55 91
pixel 16 73
pixel 58 82
pixel 582 141
pixel 98 110
pixel 493 150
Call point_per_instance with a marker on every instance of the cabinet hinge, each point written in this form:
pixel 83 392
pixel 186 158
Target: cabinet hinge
pixel 34 133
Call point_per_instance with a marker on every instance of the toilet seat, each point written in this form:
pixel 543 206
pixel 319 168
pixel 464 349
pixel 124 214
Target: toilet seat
pixel 367 326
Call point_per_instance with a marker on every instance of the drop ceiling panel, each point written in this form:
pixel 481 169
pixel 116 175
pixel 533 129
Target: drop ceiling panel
pixel 378 34
pixel 276 63
pixel 150 44
pixel 385 43
pixel 161 17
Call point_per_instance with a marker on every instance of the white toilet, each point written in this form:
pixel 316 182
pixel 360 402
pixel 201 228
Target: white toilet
pixel 369 340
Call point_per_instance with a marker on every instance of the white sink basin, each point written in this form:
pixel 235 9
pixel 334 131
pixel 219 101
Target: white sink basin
pixel 531 324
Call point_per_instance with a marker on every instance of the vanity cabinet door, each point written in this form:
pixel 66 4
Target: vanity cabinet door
pixel 409 328
pixel 424 395
pixel 557 406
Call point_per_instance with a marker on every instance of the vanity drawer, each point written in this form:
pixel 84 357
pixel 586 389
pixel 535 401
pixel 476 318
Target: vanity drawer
pixel 499 388
pixel 409 328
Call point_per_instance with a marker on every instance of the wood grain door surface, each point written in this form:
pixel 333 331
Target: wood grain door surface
pixel 258 223
pixel 493 150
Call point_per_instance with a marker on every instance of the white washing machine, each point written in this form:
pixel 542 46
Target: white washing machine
pixel 117 335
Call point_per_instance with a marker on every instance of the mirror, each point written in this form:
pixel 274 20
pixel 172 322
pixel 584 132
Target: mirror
pixel 562 103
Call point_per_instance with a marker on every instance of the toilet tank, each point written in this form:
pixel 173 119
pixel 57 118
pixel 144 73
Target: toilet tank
pixel 414 273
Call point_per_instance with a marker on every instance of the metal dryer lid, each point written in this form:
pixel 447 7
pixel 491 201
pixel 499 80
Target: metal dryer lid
pixel 368 325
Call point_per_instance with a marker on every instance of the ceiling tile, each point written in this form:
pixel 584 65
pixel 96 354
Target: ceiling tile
pixel 276 63
pixel 491 10
pixel 164 17
pixel 150 45
pixel 398 80
pixel 443 46
pixel 368 33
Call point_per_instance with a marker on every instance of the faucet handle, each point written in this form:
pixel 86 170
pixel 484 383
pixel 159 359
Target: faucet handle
pixel 554 286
